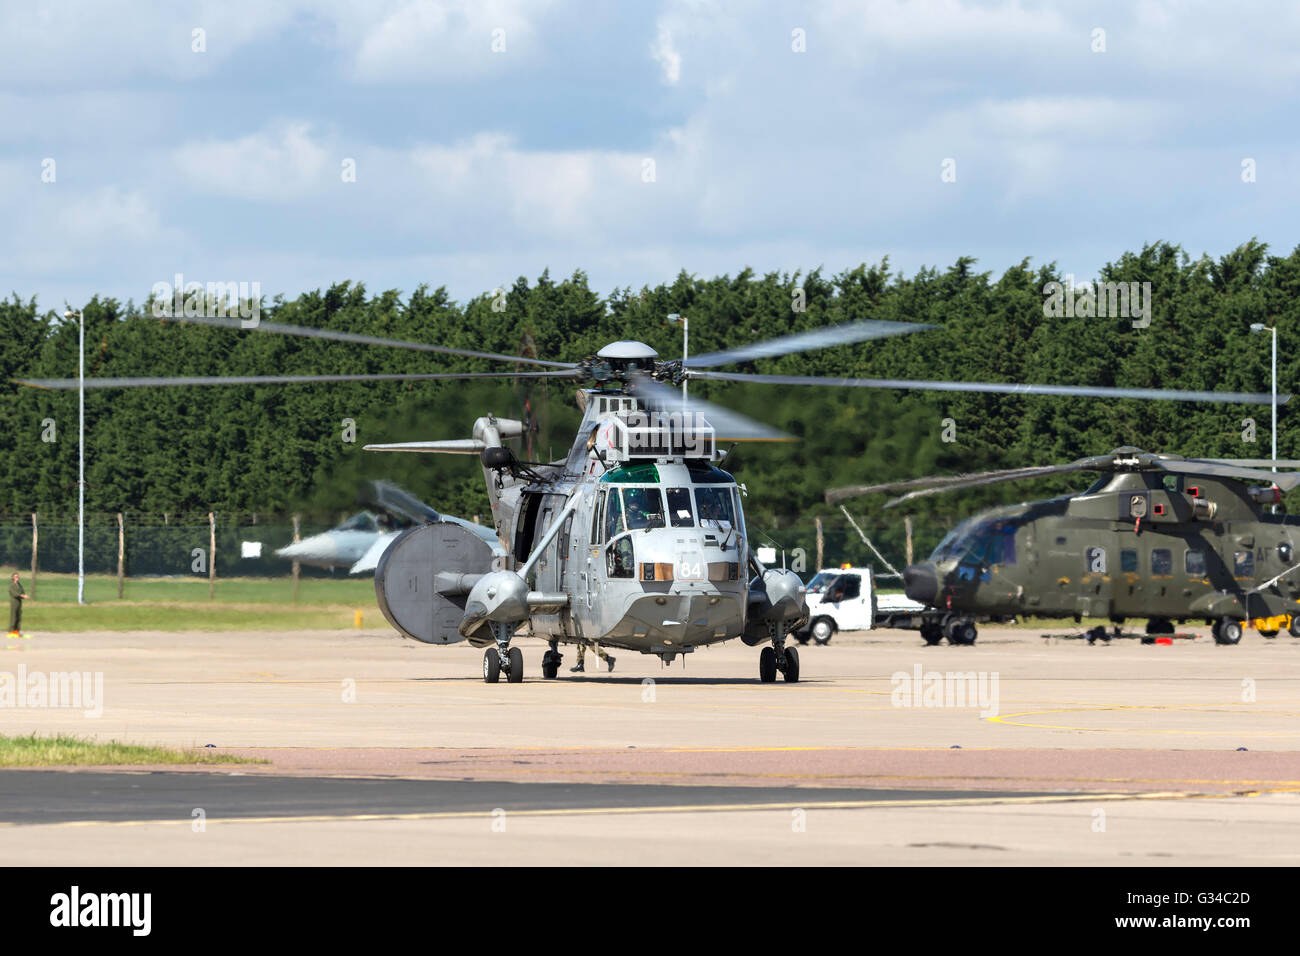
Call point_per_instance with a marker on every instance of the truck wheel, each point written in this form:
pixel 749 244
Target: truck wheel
pixel 801 636
pixel 823 629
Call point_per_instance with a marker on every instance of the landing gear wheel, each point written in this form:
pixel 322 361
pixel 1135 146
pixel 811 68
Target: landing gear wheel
pixel 767 665
pixel 1227 631
pixel 960 631
pixel 932 634
pixel 491 665
pixel 515 675
pixel 791 665
pixel 551 664
pixel 822 630
pixel 1269 633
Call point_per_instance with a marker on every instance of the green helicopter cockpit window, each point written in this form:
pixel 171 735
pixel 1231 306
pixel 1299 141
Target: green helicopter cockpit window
pixel 643 508
pixel 984 542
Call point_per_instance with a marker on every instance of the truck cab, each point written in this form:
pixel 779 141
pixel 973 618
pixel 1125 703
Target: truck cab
pixel 839 599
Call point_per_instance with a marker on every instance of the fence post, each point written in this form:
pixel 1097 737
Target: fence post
pixel 212 554
pixel 34 540
pixel 907 527
pixel 297 565
pixel 821 544
pixel 121 553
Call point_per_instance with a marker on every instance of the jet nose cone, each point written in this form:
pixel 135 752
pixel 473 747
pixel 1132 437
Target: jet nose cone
pixel 921 583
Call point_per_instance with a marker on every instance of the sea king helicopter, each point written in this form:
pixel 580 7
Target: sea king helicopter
pixel 635 539
pixel 1160 537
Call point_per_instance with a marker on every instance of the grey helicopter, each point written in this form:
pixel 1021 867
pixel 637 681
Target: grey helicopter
pixel 636 539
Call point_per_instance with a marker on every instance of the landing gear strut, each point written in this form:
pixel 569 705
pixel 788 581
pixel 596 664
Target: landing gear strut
pixel 503 657
pixel 777 657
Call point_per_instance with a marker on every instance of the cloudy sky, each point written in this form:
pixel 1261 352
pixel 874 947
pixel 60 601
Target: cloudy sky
pixel 493 138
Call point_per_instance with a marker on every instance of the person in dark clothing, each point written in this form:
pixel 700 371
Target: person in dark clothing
pixel 16 597
pixel 600 652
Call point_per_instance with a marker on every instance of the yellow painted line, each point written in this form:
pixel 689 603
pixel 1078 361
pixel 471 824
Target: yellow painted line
pixel 626 811
pixel 1006 720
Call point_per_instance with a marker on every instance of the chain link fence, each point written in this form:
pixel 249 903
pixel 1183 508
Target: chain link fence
pixel 155 545
pixel 158 545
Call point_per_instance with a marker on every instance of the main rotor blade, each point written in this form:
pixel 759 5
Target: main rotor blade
pixel 727 425
pixel 1253 462
pixel 836 495
pixel 140 382
pixel 278 328
pixel 1077 391
pixel 846 334
pixel 993 479
pixel 1286 480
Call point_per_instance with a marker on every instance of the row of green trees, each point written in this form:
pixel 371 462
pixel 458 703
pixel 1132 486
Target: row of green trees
pixel 283 448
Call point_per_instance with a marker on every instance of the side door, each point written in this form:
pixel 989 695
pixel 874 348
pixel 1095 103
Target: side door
pixel 595 530
pixel 1097 575
pixel 845 601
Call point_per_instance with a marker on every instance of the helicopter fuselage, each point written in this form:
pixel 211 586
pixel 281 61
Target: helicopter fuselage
pixel 1136 545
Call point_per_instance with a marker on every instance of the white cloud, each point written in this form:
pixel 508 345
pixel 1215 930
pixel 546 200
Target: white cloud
pixel 277 166
pixel 424 39
pixel 665 54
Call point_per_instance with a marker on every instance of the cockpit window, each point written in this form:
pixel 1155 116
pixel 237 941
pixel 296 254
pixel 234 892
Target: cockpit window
pixel 979 542
pixel 714 506
pixel 362 522
pixel 679 508
pixel 643 508
pixel 613 515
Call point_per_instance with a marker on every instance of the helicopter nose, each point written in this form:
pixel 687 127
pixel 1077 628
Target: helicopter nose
pixel 921 582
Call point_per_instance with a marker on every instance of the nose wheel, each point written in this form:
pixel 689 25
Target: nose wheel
pixel 776 657
pixel 503 658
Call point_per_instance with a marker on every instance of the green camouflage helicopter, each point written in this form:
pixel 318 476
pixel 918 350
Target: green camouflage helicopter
pixel 1159 537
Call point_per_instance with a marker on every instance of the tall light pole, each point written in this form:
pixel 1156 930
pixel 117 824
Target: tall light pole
pixel 1261 327
pixel 686 328
pixel 81 454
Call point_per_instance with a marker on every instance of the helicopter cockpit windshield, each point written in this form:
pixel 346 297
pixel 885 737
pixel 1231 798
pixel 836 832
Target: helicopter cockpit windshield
pixel 715 508
pixel 979 542
pixel 643 508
